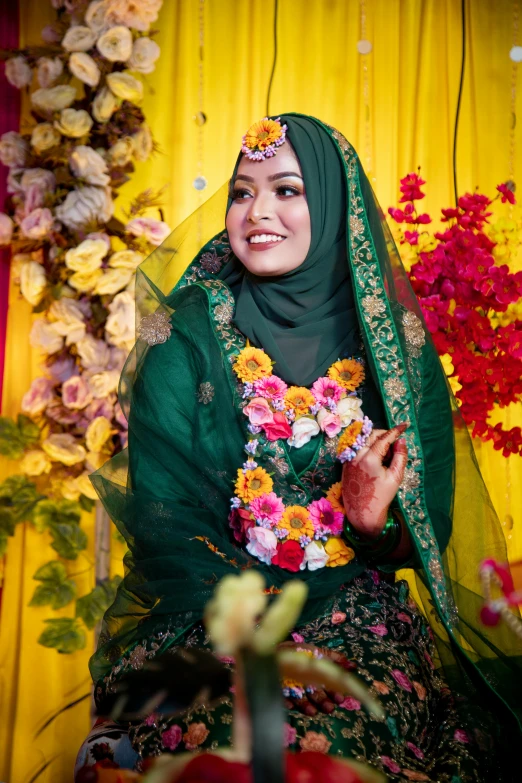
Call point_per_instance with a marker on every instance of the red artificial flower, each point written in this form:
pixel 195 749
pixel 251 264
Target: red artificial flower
pixel 449 214
pixel 278 428
pixel 507 440
pixel 424 218
pixel 411 187
pixel 289 555
pixel 506 192
pixel 412 237
pixel 241 521
pixel 397 214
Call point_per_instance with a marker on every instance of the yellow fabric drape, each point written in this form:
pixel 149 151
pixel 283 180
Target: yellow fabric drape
pixel 402 118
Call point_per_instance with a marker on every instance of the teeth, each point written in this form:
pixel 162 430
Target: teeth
pixel 257 238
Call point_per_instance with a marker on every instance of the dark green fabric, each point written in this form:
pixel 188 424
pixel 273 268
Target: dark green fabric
pixel 305 320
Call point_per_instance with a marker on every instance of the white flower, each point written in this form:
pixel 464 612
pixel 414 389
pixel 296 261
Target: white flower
pixel 112 281
pixel 126 259
pixel 104 105
pixel 125 86
pixel 18 72
pixel 68 319
pixel 87 205
pixel 64 448
pixel 6 230
pixel 48 71
pixel 262 543
pixel 84 68
pixel 145 52
pixel 349 409
pixel 87 256
pixel 115 44
pixel 45 337
pixel 96 16
pixel 84 282
pixel 103 383
pixel 121 152
pixel 42 178
pixel 74 123
pixel 13 149
pixel 37 224
pixel 143 143
pixel 120 327
pixel 138 16
pixel 78 39
pixel 232 612
pixel 94 354
pixel 53 98
pixel 35 462
pixel 303 430
pixel 44 136
pixel 87 164
pixel 315 556
pixel 154 231
pixel 32 282
pixel 118 355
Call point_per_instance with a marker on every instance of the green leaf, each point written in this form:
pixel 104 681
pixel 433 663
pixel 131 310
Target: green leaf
pixel 7 522
pixel 18 490
pixel 49 512
pixel 11 444
pixel 57 589
pixel 64 634
pixel 29 431
pixel 91 607
pixel 68 539
pixel 86 503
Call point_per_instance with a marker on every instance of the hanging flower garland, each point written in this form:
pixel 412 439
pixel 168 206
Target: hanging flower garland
pixel 75 264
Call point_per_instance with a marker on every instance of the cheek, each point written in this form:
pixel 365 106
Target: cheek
pixel 233 224
pixel 298 221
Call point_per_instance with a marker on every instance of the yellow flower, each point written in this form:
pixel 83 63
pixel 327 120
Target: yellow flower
pixel 97 433
pixel 262 134
pixel 300 399
pixel 35 462
pixel 339 553
pixel 252 484
pixel 455 387
pixel 348 373
pixel 349 436
pixel 335 496
pixel 296 520
pixel 252 364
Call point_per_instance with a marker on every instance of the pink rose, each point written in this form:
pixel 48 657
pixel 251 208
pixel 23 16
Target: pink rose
pixel 76 393
pixel 350 704
pixel 172 737
pixel 279 428
pixel 330 423
pixel 37 224
pixel 154 231
pixel 404 617
pixel 262 543
pixel 401 680
pixel 338 618
pixel 290 735
pixel 461 736
pixel 38 397
pixel 392 765
pixel 315 741
pixel 258 412
pixel 379 630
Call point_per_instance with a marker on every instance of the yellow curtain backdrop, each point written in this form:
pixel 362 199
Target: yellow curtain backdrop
pixel 397 106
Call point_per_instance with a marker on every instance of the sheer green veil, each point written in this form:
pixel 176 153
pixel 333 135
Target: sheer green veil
pixel 171 501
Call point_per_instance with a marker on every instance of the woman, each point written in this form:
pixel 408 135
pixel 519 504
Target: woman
pixel 287 373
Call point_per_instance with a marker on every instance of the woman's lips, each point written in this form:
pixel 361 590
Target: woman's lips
pixel 264 245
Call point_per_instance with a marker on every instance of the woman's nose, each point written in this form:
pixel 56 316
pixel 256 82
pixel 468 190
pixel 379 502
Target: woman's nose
pixel 259 209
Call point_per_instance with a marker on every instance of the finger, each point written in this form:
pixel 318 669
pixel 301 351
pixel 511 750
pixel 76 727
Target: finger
pixel 383 443
pixel 399 460
pixel 336 696
pixel 342 660
pixel 305 706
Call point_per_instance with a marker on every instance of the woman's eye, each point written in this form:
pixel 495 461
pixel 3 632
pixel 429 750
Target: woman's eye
pixel 287 190
pixel 238 194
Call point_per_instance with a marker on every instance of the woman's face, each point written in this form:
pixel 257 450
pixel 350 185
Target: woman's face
pixel 268 222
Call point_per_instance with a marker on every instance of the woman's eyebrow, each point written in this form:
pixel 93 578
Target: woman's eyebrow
pixel 279 175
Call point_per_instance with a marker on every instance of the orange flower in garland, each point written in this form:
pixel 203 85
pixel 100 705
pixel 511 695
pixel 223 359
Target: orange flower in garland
pixel 252 364
pixel 252 484
pixel 335 496
pixel 348 373
pixel 349 437
pixel 263 138
pixel 296 520
pixel 300 399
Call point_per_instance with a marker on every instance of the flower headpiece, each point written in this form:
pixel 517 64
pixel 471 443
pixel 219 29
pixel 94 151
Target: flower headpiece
pixel 262 139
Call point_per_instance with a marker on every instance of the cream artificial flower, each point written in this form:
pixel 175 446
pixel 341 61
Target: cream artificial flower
pixel 86 205
pixel 68 489
pixel 35 462
pixel 98 433
pixel 74 123
pixel 87 256
pixel 125 86
pixel 85 486
pixel 13 149
pixel 53 98
pixel 303 430
pixel 45 337
pixel 115 44
pixel 68 319
pixel 143 143
pixel 112 281
pixel 42 178
pixel 96 16
pixel 104 105
pixel 33 282
pixel 349 409
pixel 94 460
pixel 87 164
pixel 84 282
pixel 78 39
pixel 48 71
pixel 120 325
pixel 138 16
pixel 64 448
pixel 44 136
pixel 6 229
pixel 126 259
pixel 84 68
pixel 94 354
pixel 121 152
pixel 18 72
pixel 104 383
pixel 145 52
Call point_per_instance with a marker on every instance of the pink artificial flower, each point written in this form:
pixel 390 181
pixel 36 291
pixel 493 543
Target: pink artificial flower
pixel 100 407
pixel 38 397
pixel 267 508
pixel 405 618
pixel 63 368
pixel 278 428
pixel 338 618
pixel 289 736
pixel 297 637
pixel 411 187
pixel 37 224
pixel 258 412
pixel 172 737
pixel 506 193
pixel 241 520
pixel 350 704
pixel 390 764
pixel 401 680
pixel 151 719
pixel 378 630
pixel 262 543
pixel 411 237
pixel 154 231
pixel 324 518
pixel 330 423
pixel 272 388
pixel 326 389
pixel 76 393
pixel 461 736
pixel 415 750
pixel 34 198
pixel 62 415
pixel 120 417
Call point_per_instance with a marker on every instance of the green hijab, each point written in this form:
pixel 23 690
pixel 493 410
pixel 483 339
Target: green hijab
pixel 305 320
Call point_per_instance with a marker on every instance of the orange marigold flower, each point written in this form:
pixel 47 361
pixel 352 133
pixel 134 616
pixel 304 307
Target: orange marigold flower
pixel 349 436
pixel 296 520
pixel 263 133
pixel 252 364
pixel 300 399
pixel 252 484
pixel 335 496
pixel 339 554
pixel 348 373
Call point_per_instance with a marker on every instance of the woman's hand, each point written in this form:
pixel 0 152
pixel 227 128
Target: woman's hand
pixel 369 486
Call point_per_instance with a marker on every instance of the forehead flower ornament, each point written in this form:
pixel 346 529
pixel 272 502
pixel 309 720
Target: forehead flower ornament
pixel 263 138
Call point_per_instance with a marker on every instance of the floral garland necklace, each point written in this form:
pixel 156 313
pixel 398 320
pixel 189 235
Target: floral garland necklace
pixel 295 537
